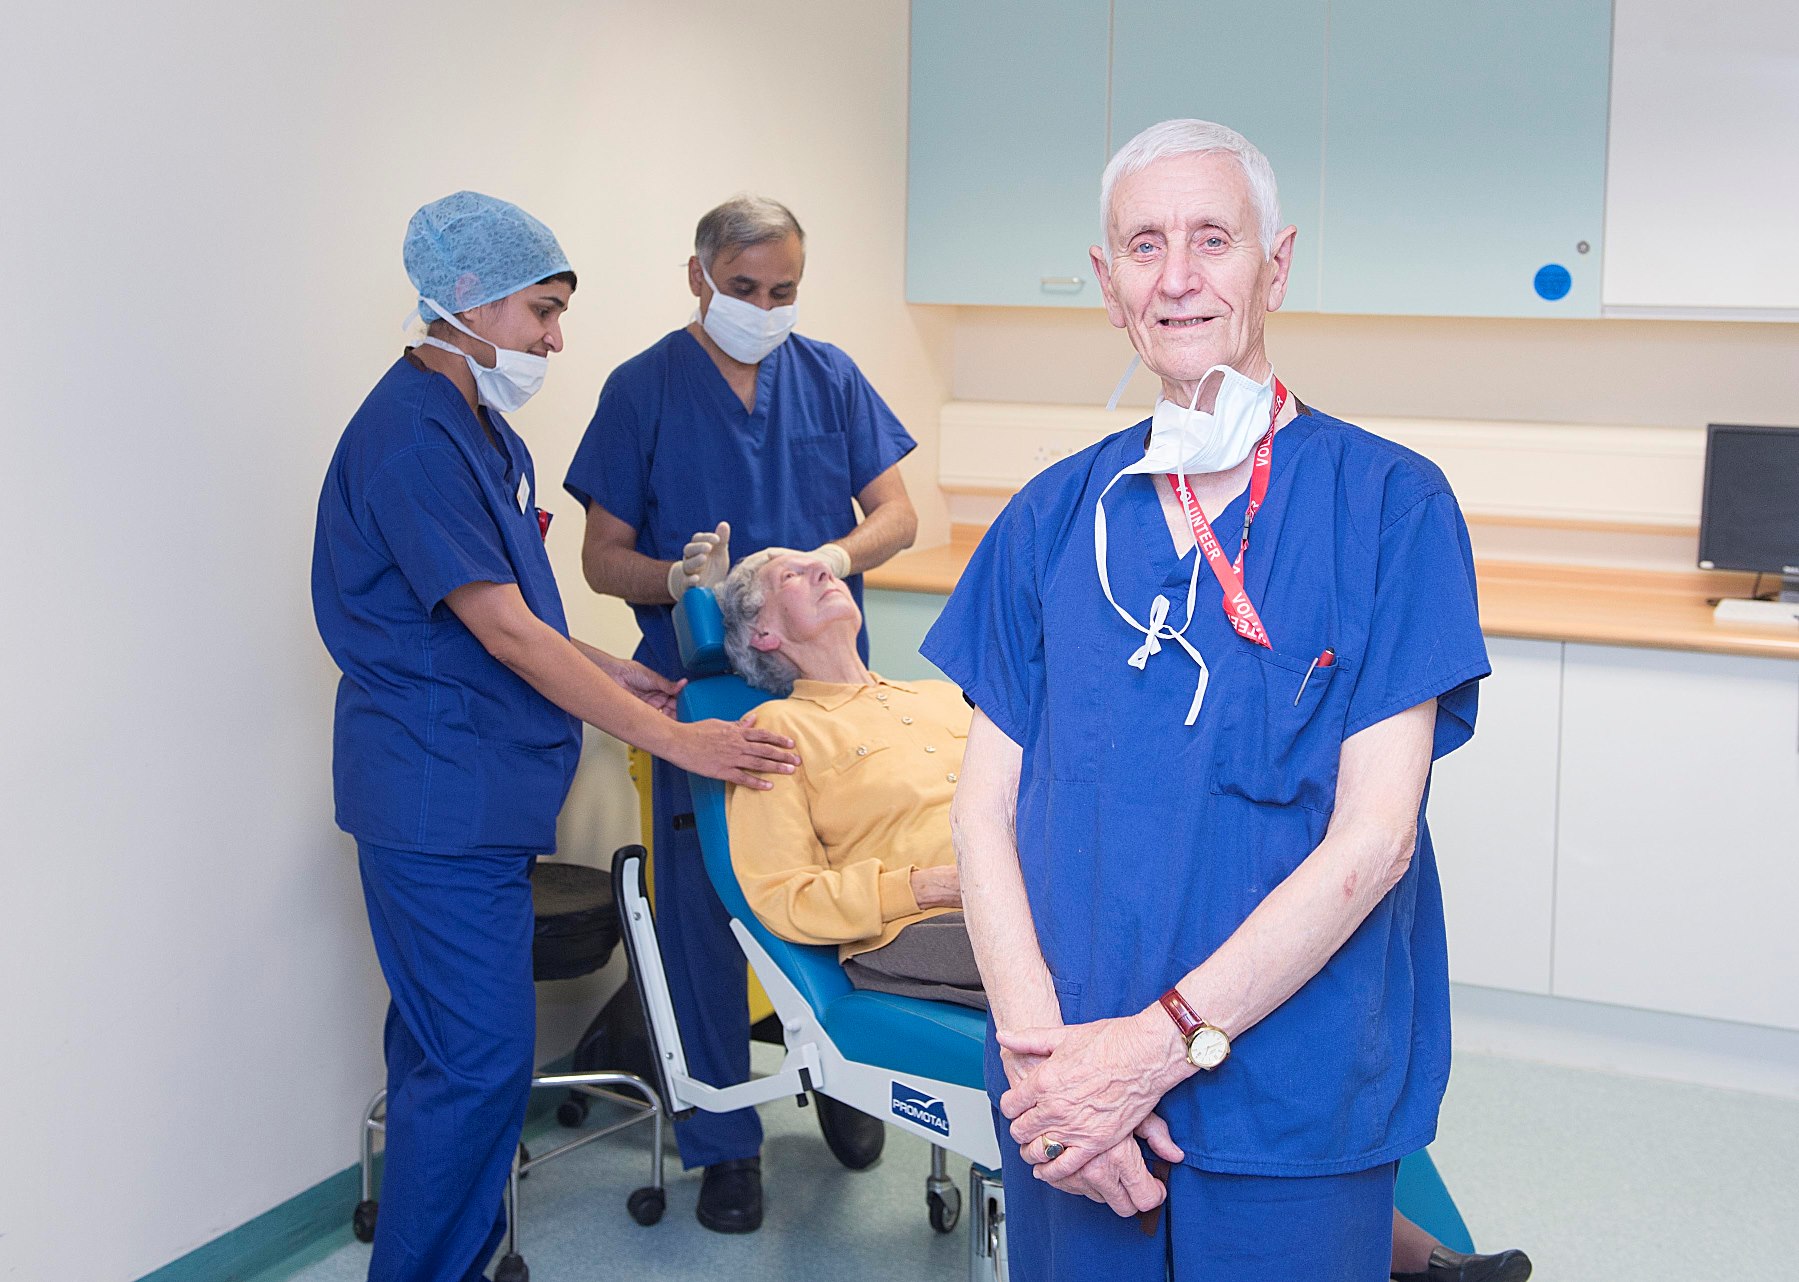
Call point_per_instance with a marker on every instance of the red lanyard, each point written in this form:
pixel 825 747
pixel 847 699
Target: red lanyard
pixel 1237 606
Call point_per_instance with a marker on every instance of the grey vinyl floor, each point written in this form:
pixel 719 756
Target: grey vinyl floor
pixel 1600 1177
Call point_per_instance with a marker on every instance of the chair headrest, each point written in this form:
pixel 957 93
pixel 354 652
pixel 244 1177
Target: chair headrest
pixel 700 633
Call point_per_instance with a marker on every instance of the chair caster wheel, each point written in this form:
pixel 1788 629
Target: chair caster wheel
pixel 646 1205
pixel 572 1112
pixel 946 1209
pixel 512 1269
pixel 362 1220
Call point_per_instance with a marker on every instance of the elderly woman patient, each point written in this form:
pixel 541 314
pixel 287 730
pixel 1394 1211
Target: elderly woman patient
pixel 852 849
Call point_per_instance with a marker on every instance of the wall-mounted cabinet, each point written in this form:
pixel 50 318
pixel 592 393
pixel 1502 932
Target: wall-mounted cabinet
pixel 1703 176
pixel 1176 58
pixel 1007 140
pixel 1443 160
pixel 1464 160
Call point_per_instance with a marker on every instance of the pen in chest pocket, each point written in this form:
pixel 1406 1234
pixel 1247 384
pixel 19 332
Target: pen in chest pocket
pixel 1325 659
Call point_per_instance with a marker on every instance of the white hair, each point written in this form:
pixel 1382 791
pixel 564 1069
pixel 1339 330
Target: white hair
pixel 1193 138
pixel 740 600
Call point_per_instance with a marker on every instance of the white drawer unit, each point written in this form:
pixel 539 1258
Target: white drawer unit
pixel 1492 820
pixel 1677 883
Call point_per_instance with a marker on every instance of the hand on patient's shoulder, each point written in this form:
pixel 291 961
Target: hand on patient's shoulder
pixel 735 751
pixel 939 887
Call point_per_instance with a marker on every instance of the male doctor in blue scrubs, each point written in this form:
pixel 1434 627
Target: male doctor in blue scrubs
pixel 732 429
pixel 1213 658
pixel 459 715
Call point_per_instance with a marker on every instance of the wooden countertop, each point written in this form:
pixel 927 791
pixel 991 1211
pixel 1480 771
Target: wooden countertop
pixel 1667 610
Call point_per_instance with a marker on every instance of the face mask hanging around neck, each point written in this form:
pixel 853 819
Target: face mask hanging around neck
pixel 1189 440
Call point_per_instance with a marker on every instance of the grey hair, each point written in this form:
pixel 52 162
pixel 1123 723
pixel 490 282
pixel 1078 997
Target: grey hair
pixel 740 599
pixel 740 222
pixel 1193 138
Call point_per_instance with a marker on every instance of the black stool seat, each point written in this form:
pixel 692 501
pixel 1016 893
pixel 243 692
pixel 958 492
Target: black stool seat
pixel 577 925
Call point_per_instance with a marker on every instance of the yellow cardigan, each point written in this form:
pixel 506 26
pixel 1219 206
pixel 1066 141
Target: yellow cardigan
pixel 826 856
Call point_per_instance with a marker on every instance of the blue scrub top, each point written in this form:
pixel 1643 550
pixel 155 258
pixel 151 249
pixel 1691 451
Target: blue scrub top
pixel 1144 842
pixel 671 451
pixel 438 746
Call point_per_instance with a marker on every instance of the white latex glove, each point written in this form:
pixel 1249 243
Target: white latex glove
pixel 704 561
pixel 835 557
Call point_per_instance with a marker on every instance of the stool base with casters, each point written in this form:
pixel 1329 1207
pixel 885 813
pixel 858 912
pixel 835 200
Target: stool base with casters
pixel 645 1204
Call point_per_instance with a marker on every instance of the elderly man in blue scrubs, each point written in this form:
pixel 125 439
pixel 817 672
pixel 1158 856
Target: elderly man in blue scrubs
pixel 1213 657
pixel 459 715
pixel 732 430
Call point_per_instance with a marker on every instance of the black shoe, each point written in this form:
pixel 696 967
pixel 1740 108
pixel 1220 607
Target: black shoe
pixel 731 1196
pixel 1453 1266
pixel 854 1138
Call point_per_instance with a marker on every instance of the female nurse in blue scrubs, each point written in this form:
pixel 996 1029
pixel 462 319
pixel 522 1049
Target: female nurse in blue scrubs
pixel 1213 662
pixel 459 715
pixel 732 428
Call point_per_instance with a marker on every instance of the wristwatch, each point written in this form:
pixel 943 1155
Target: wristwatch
pixel 1207 1045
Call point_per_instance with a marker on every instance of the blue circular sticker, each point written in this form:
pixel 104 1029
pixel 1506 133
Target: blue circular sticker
pixel 1553 282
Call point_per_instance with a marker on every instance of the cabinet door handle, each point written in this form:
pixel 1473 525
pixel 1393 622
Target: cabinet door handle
pixel 1063 282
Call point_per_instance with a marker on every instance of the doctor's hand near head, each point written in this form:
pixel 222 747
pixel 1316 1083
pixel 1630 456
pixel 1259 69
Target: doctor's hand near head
pixel 458 713
pixel 732 433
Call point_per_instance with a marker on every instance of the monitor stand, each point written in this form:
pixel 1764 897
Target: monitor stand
pixel 1782 613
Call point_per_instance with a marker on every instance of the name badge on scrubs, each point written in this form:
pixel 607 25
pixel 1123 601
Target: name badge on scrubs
pixel 524 492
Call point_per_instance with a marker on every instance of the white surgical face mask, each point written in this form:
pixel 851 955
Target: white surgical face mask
pixel 1186 439
pixel 743 330
pixel 1183 439
pixel 514 378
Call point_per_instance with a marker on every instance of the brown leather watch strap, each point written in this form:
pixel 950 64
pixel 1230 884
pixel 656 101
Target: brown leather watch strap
pixel 1182 1014
pixel 1147 1220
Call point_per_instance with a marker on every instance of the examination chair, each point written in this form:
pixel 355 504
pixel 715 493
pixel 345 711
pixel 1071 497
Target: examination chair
pixel 914 1064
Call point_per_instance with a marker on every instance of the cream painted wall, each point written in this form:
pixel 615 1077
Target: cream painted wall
pixel 202 221
pixel 1645 372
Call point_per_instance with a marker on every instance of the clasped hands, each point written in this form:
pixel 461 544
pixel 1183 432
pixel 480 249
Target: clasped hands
pixel 1093 1088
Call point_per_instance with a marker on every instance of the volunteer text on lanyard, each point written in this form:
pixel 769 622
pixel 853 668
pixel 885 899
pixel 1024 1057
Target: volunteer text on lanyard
pixel 1237 606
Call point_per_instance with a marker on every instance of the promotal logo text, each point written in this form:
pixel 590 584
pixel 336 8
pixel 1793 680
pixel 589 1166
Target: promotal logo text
pixel 916 1106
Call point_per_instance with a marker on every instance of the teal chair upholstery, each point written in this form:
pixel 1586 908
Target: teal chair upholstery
pixel 900 1034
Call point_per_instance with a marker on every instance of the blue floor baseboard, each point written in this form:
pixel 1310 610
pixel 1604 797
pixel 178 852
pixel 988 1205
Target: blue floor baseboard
pixel 306 1219
pixel 275 1235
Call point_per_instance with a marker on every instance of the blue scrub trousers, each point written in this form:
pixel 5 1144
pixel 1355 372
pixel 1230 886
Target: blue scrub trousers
pixel 707 977
pixel 1213 1228
pixel 453 934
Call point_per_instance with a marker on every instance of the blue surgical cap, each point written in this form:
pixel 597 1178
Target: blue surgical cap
pixel 468 249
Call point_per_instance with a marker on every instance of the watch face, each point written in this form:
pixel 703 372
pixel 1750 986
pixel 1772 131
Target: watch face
pixel 1209 1048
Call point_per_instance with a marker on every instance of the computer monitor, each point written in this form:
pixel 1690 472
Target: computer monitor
pixel 1749 519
